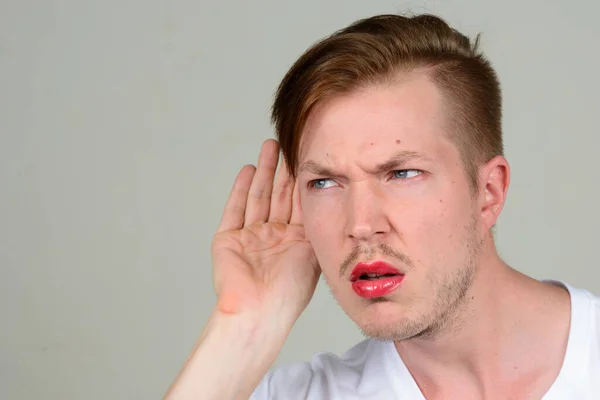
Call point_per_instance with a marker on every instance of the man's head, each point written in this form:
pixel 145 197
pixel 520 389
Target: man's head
pixel 392 128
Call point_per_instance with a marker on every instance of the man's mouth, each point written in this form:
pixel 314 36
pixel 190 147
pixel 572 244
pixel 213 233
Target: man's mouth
pixel 375 279
pixel 372 277
pixel 372 271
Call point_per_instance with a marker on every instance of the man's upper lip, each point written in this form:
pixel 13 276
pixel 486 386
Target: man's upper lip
pixel 374 267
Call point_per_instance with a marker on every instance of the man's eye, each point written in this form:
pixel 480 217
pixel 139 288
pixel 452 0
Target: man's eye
pixel 406 173
pixel 320 183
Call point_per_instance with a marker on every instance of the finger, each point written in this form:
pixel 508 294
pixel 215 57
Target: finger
pixel 259 196
pixel 281 200
pixel 296 217
pixel 235 208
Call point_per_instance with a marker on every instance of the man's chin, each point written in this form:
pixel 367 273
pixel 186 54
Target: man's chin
pixel 386 332
pixel 385 320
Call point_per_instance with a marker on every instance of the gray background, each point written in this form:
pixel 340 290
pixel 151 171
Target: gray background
pixel 123 124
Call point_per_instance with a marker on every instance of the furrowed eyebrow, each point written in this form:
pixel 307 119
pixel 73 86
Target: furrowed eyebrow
pixel 315 168
pixel 397 161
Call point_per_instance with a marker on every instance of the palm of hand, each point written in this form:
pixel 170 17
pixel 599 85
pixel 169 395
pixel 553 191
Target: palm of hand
pixel 262 259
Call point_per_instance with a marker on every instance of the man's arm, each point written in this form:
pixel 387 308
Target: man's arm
pixel 230 358
pixel 265 273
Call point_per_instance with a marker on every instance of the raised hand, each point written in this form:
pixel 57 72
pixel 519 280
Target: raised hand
pixel 265 272
pixel 262 262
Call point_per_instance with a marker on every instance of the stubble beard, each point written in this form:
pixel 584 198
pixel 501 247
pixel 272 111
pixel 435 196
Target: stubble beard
pixel 444 310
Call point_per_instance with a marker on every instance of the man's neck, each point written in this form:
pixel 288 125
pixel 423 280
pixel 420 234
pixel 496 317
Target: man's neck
pixel 509 339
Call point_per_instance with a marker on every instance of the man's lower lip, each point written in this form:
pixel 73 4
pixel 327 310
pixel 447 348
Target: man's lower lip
pixel 370 289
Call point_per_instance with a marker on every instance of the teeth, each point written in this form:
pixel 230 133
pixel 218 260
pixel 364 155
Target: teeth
pixel 371 276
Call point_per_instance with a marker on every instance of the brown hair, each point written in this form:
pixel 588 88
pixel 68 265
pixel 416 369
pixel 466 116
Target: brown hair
pixel 376 50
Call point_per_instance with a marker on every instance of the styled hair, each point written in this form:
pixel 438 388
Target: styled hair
pixel 378 50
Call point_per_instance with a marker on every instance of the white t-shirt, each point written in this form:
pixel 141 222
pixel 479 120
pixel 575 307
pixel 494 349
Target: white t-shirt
pixel 373 369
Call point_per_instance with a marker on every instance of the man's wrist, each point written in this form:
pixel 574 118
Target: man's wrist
pixel 232 355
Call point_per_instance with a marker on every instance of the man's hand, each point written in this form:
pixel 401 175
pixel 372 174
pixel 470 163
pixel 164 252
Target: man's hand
pixel 265 273
pixel 261 259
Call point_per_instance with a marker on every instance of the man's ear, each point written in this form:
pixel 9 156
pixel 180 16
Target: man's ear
pixel 494 179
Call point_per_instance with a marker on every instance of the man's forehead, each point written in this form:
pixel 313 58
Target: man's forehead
pixel 404 116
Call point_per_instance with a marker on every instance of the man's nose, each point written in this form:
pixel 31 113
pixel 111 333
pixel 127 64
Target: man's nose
pixel 366 213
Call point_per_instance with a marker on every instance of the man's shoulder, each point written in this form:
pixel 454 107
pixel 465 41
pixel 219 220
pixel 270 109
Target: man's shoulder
pixel 585 312
pixel 585 303
pixel 325 364
pixel 579 373
pixel 590 303
pixel 325 374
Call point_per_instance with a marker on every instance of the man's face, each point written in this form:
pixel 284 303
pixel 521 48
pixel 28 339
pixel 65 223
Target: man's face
pixel 380 181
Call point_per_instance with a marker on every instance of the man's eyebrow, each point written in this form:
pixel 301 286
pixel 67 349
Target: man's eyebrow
pixel 397 161
pixel 315 168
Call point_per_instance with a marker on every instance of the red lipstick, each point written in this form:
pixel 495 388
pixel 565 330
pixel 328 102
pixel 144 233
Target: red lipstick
pixel 375 279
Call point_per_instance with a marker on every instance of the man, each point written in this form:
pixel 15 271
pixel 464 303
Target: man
pixel 394 177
